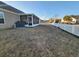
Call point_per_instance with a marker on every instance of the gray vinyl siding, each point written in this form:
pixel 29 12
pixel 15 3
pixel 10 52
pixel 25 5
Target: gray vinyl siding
pixel 9 19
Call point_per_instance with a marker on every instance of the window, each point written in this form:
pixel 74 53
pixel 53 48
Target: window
pixel 1 18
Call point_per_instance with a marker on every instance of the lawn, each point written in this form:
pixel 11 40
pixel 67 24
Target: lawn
pixel 43 40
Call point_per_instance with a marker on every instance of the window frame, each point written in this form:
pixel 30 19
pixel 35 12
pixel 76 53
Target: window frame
pixel 3 18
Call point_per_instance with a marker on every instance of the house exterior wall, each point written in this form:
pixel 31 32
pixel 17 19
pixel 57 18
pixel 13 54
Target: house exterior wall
pixel 73 20
pixel 9 19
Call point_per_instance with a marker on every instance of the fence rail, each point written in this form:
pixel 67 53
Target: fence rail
pixel 74 29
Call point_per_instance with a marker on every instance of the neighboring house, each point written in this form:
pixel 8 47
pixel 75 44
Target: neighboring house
pixel 56 20
pixel 10 16
pixel 69 22
pixel 75 18
pixel 51 20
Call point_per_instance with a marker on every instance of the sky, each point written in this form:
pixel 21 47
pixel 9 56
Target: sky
pixel 47 9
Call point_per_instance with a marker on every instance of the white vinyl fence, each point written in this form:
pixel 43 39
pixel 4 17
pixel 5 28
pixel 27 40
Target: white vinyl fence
pixel 74 29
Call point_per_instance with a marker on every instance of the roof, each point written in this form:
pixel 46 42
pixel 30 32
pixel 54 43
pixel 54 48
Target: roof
pixel 8 7
pixel 75 16
pixel 30 14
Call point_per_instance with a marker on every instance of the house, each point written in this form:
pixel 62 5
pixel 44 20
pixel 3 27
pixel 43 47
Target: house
pixel 74 19
pixel 54 20
pixel 12 17
pixel 58 20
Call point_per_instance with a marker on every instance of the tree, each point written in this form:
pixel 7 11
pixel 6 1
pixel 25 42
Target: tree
pixel 67 18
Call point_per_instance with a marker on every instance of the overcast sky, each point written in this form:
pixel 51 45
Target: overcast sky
pixel 46 9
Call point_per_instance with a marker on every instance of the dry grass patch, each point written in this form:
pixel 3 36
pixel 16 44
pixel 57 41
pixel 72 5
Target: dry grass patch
pixel 44 40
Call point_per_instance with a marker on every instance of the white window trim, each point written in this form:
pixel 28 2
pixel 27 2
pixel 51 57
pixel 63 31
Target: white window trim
pixel 3 17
